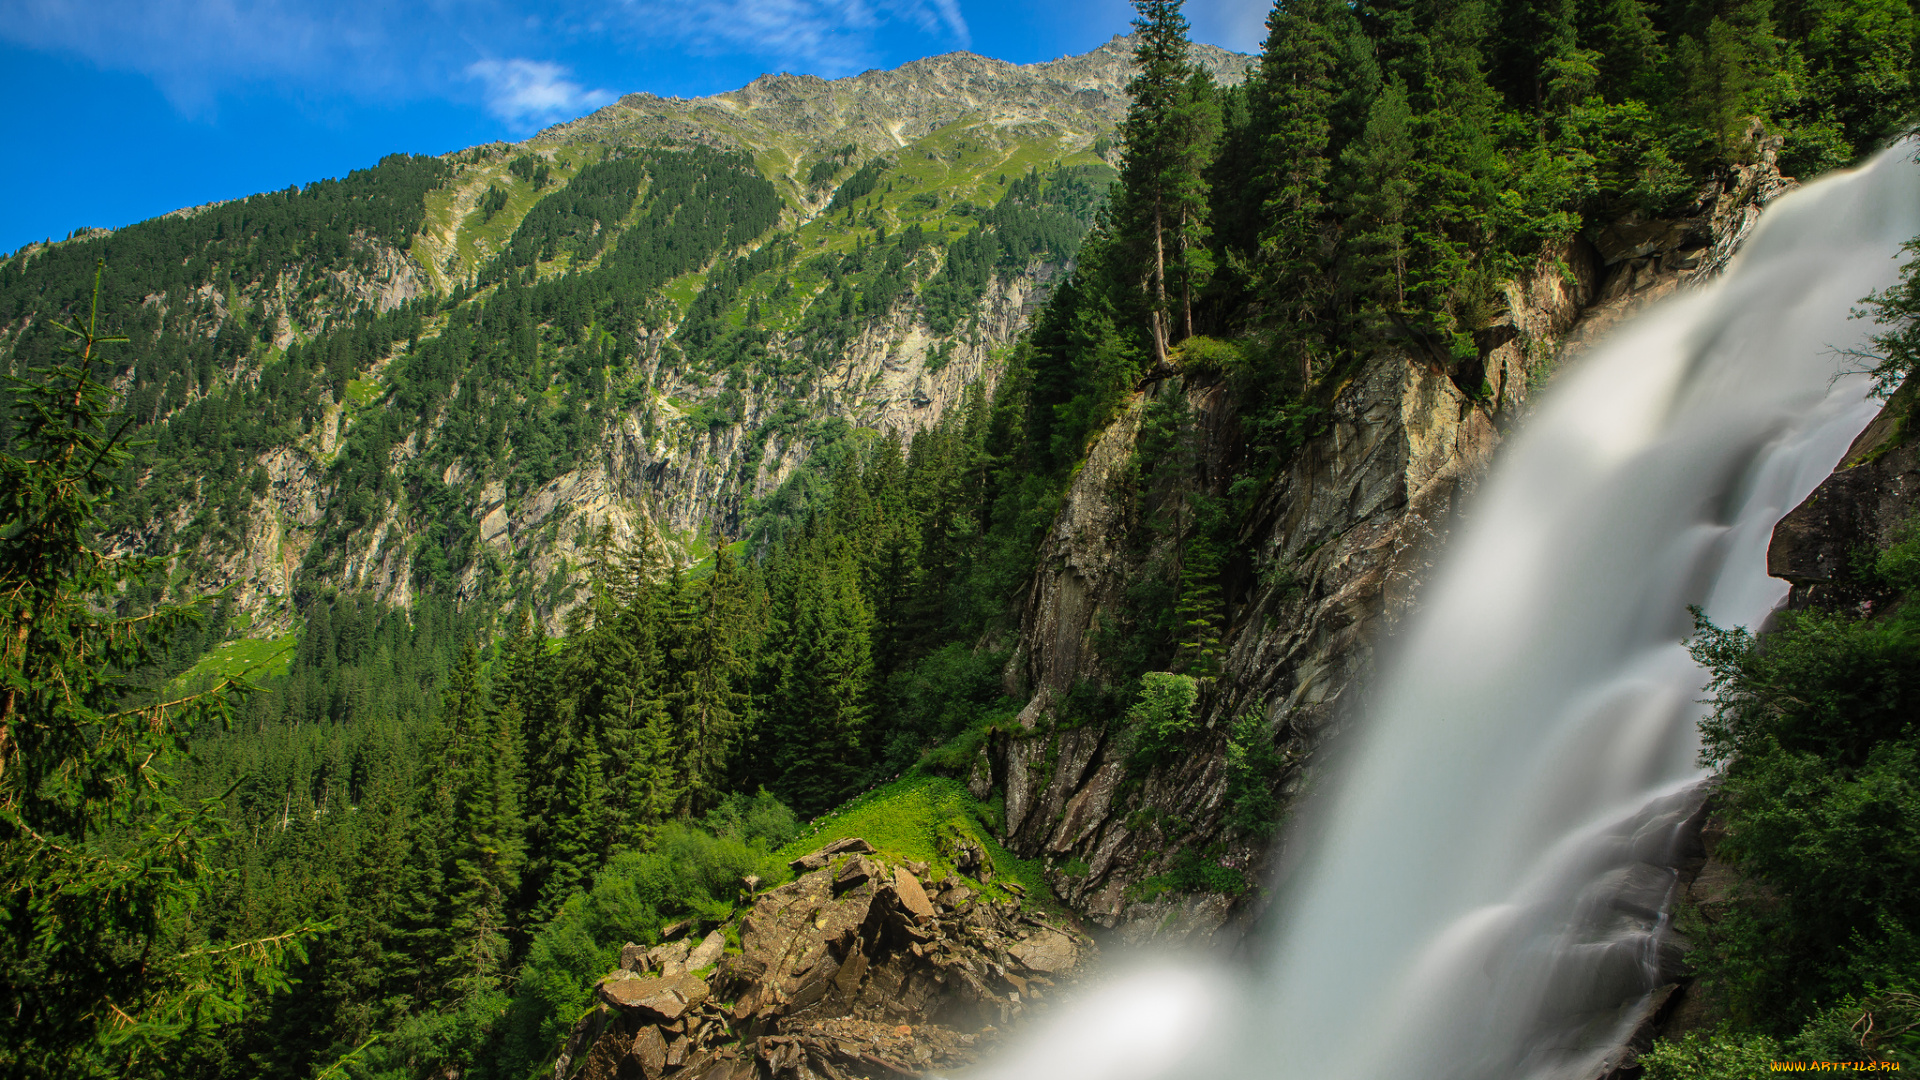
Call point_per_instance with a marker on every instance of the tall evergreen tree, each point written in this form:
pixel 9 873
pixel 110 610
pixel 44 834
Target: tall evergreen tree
pixel 581 835
pixel 489 838
pixel 1169 131
pixel 1379 192
pixel 824 694
pixel 1292 102
pixel 709 698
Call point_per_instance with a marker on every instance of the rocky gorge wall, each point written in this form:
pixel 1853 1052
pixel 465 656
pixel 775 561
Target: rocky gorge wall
pixel 1328 562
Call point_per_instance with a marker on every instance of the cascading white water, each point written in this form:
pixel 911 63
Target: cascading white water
pixel 1474 904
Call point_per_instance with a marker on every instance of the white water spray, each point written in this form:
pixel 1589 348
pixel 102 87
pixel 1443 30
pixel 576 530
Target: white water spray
pixel 1485 895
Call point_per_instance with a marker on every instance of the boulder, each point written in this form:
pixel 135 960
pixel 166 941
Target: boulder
pixel 808 863
pixel 912 897
pixel 858 871
pixel 668 959
pixel 817 860
pixel 708 951
pixel 633 957
pixel 831 981
pixel 1047 952
pixel 649 1052
pixel 659 1000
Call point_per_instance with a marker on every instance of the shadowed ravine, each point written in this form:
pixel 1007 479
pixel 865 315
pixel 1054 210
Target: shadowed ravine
pixel 1485 892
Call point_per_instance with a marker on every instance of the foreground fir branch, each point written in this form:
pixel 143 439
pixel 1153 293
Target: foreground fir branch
pixel 103 967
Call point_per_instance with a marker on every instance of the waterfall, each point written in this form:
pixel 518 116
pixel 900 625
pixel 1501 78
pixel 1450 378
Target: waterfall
pixel 1484 893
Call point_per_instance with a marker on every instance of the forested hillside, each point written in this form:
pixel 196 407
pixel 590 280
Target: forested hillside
pixel 610 500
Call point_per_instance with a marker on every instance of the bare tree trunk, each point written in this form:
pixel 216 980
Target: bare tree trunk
pixel 1159 289
pixel 1186 283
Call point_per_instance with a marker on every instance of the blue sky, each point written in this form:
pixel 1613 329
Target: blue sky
pixel 118 110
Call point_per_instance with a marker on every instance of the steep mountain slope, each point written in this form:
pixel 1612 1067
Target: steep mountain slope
pixel 453 375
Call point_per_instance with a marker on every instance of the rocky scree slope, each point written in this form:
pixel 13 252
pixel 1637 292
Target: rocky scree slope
pixel 859 967
pixel 1327 561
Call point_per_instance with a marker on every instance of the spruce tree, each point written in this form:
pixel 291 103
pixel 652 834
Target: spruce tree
pixel 1170 130
pixel 1292 103
pixel 711 668
pixel 581 835
pixel 489 843
pixel 824 696
pixel 1378 181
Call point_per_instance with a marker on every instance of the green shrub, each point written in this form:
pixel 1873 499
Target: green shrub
pixel 1162 716
pixel 1192 872
pixel 1818 730
pixel 1204 354
pixel 1720 1056
pixel 1898 567
pixel 1254 768
pixel 950 696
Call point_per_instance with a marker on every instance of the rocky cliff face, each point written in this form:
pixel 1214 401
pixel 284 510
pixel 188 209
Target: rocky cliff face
pixel 1819 546
pixel 1335 552
pixel 688 482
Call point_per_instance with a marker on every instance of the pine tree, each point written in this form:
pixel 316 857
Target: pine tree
pixel 1727 63
pixel 1379 189
pixel 1198 613
pixel 528 684
pixel 582 834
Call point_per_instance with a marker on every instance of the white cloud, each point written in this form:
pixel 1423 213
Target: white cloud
pixel 529 93
pixel 832 37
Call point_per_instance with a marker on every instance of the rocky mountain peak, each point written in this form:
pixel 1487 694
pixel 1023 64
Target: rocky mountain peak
pixel 884 109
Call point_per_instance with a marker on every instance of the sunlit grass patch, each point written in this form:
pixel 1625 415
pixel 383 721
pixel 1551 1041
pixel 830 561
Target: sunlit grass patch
pixel 908 820
pixel 258 659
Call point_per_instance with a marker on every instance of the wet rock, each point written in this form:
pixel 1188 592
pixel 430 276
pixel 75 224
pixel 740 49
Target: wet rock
pixel 1860 507
pixel 1641 889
